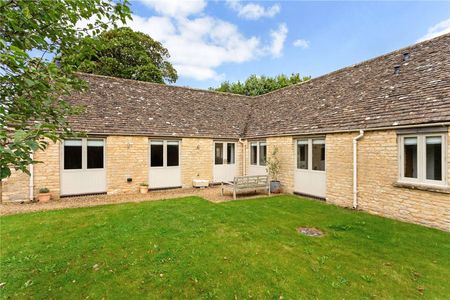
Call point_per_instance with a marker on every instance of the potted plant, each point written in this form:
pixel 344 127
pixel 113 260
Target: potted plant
pixel 44 195
pixel 273 168
pixel 143 188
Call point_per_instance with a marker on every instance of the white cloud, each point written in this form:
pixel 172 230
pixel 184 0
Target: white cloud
pixel 176 8
pixel 252 11
pixel 437 30
pixel 278 38
pixel 199 44
pixel 159 27
pixel 301 43
pixel 198 72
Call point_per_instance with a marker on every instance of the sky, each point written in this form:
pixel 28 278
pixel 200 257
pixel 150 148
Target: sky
pixel 213 41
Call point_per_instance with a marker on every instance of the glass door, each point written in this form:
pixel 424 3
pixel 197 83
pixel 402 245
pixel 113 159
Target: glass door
pixel 224 161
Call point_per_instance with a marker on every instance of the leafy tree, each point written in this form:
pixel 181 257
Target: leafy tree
pixel 32 90
pixel 258 85
pixel 125 53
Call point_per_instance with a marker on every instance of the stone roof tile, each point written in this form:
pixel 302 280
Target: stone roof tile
pixel 122 106
pixel 364 96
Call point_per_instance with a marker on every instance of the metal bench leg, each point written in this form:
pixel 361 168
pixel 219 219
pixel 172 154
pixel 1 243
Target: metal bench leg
pixel 222 187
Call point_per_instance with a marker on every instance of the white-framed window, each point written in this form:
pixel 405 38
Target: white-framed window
pixel 164 153
pixel 83 154
pixel 423 158
pixel 311 154
pixel 219 153
pixel 258 153
pixel 231 159
pixel 302 154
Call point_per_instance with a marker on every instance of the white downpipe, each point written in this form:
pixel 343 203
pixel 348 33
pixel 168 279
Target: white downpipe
pixel 31 183
pixel 355 168
pixel 243 156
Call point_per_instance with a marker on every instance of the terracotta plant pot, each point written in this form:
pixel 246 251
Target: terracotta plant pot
pixel 143 189
pixel 44 197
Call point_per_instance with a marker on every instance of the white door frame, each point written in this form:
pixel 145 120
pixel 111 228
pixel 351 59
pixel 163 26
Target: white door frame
pixel 308 181
pixel 225 171
pixel 164 176
pixel 256 169
pixel 84 180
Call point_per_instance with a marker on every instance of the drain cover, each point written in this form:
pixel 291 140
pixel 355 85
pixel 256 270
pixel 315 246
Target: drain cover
pixel 310 231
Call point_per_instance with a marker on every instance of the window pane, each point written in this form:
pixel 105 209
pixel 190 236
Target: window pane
pixel 95 154
pixel 318 155
pixel 172 154
pixel 230 153
pixel 72 143
pixel 253 153
pixel 410 157
pixel 72 154
pixel 262 154
pixel 218 154
pixel 434 158
pixel 156 154
pixel 95 143
pixel 302 155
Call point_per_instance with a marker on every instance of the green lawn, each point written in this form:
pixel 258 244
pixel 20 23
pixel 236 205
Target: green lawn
pixel 190 248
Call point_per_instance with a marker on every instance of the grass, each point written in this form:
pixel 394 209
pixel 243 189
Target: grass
pixel 190 248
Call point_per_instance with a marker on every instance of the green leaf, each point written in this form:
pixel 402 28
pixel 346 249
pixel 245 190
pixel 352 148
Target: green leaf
pixel 5 172
pixel 29 82
pixel 19 135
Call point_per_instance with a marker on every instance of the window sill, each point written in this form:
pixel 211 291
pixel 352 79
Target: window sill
pixel 415 186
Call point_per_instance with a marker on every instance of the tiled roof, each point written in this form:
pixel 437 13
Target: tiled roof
pixel 363 96
pixel 130 107
pixel 367 95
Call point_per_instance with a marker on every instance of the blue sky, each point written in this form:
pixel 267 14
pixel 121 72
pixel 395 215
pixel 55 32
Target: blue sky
pixel 212 41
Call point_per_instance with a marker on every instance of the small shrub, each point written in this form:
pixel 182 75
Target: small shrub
pixel 44 190
pixel 273 165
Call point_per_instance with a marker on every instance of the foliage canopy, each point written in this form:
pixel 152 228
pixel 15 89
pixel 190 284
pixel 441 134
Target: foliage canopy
pixel 32 88
pixel 122 52
pixel 257 85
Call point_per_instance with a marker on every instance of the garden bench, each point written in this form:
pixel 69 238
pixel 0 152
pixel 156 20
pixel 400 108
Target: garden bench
pixel 247 183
